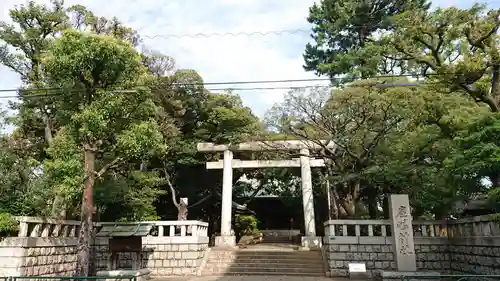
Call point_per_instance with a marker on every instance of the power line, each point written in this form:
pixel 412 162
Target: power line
pixel 271 88
pixel 382 86
pixel 195 84
pixel 252 33
pixel 240 82
pixel 232 34
pixel 209 89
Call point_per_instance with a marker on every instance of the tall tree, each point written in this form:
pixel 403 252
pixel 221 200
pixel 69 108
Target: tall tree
pixel 342 32
pixel 108 128
pixel 35 26
pixel 358 119
pixel 456 48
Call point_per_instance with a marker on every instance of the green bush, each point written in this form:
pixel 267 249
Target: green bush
pixel 8 225
pixel 245 225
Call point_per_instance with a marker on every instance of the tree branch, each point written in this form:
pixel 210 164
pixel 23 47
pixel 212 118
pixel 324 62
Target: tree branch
pixel 111 165
pixel 172 189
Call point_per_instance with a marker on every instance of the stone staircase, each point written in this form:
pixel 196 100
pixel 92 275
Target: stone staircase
pixel 281 236
pixel 264 259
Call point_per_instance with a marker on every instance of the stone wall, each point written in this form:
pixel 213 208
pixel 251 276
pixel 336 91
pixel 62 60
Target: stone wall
pixel 165 256
pixel 377 254
pixel 465 246
pixel 41 256
pixel 432 254
pixel 175 255
pixel 56 256
pixel 474 245
pixel 46 247
pixel 475 255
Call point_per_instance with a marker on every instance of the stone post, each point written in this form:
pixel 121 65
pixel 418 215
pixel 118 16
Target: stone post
pixel 226 239
pixel 403 245
pixel 310 239
pixel 402 233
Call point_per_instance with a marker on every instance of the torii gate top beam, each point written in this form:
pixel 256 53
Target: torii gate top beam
pixel 266 145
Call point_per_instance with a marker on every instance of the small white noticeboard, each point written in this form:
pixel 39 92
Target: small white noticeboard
pixel 357 268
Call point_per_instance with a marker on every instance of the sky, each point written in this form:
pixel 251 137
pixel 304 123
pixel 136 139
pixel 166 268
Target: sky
pixel 217 58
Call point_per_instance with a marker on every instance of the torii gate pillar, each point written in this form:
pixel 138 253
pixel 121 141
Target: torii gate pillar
pixel 227 238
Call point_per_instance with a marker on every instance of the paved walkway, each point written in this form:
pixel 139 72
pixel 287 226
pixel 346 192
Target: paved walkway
pixel 248 278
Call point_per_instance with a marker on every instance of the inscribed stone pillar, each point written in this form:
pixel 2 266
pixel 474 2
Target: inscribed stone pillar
pixel 307 193
pixel 402 232
pixel 226 239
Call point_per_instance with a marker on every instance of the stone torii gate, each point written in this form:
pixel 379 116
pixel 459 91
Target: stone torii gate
pixel 309 240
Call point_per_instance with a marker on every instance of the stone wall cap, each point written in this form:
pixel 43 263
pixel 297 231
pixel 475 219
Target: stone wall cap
pixel 400 274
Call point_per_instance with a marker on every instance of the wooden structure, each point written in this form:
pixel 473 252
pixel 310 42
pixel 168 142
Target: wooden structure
pixel 125 237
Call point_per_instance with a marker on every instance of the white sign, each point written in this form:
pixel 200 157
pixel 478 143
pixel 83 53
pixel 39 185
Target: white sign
pixel 357 268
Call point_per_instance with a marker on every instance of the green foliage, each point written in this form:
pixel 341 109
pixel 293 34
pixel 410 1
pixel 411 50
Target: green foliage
pixel 343 31
pixel 227 120
pixel 20 190
pixel 478 156
pixel 245 225
pixel 63 171
pixel 8 225
pixel 460 45
pixel 437 143
pixel 132 136
pixel 113 62
pixel 39 24
pixel 130 198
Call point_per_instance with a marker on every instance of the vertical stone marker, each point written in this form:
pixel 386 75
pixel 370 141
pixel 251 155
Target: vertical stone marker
pixel 402 233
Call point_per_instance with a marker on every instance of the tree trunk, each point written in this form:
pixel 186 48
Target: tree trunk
pixel 349 206
pixel 385 201
pixel 372 202
pixel 83 257
pixel 47 129
pixel 59 207
pixel 350 199
pixel 334 211
pixel 182 211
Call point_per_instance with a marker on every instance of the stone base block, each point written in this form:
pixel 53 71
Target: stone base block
pixel 140 275
pixel 359 276
pixel 225 241
pixel 381 275
pixel 311 242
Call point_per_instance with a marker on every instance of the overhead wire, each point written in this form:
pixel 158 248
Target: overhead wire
pixel 232 34
pixel 216 34
pixel 352 79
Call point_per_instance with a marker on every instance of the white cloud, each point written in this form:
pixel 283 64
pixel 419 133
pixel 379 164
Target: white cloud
pixel 219 58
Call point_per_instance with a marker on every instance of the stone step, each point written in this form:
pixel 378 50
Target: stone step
pixel 276 239
pixel 257 252
pixel 266 249
pixel 265 257
pixel 249 273
pixel 262 257
pixel 267 268
pixel 284 264
pixel 261 260
pixel 278 259
pixel 264 271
